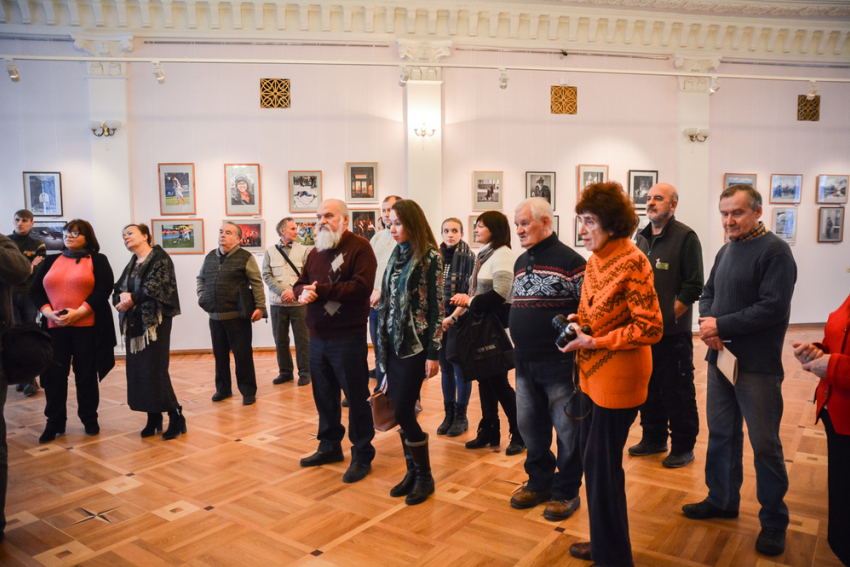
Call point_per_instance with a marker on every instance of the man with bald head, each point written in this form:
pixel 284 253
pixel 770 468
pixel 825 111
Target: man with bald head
pixel 335 285
pixel 674 251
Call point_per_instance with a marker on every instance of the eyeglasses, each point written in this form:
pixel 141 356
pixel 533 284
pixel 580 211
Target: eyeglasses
pixel 74 233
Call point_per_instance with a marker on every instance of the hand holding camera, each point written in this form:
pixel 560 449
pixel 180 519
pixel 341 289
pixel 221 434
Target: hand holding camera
pixel 571 335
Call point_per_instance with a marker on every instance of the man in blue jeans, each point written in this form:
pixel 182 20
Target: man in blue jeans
pixel 547 282
pixel 744 310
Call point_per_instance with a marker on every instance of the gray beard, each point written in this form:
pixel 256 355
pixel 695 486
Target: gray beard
pixel 326 239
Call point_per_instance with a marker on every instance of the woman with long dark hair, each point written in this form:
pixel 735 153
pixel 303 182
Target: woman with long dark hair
pixel 146 299
pixel 410 311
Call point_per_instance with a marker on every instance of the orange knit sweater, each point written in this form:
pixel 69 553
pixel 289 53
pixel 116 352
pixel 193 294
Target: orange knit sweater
pixel 619 304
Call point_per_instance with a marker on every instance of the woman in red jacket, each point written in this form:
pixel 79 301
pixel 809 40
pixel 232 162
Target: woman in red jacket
pixel 829 360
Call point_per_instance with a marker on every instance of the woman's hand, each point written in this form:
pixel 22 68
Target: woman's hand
pixel 460 299
pixel 374 298
pixel 75 315
pixel 581 341
pixel 806 352
pixel 52 316
pixel 447 322
pixel 431 368
pixel 818 366
pixel 126 302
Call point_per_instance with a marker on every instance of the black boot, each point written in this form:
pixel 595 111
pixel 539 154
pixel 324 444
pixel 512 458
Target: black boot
pixel 460 424
pixel 154 424
pixel 488 434
pixel 406 485
pixel 424 485
pixel 176 424
pixel 517 445
pixel 449 419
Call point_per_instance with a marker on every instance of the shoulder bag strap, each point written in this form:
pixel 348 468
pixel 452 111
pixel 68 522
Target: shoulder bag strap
pixel 288 261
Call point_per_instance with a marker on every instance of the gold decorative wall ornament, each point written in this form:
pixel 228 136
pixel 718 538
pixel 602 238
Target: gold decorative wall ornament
pixel 564 100
pixel 274 93
pixel 808 110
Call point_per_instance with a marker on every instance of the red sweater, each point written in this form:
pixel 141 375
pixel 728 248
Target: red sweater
pixel 835 388
pixel 68 283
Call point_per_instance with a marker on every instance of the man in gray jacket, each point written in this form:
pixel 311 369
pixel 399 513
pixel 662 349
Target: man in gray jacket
pixel 231 291
pixel 282 265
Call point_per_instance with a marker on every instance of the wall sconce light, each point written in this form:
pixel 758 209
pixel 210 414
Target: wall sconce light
pixel 695 135
pixel 404 77
pixel 715 86
pixel 503 79
pixel 813 90
pixel 14 72
pixel 107 129
pixel 424 131
pixel 158 72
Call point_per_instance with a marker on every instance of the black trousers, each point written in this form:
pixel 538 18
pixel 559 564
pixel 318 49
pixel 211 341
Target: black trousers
pixel 603 436
pixel 233 335
pixel 838 449
pixel 4 450
pixel 72 347
pixel 672 397
pixel 497 390
pixel 405 377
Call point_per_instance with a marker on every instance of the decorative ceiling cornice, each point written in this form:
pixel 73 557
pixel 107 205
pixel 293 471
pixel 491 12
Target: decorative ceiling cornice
pixel 769 8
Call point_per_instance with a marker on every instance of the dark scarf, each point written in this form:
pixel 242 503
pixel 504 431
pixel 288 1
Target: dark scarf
pixel 78 254
pixel 483 256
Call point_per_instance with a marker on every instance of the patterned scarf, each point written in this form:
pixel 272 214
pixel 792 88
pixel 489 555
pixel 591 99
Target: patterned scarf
pixel 483 256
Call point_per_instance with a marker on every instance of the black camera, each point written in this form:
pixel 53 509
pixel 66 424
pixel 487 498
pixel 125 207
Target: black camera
pixel 567 330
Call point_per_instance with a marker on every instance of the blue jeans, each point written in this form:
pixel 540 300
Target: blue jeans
pixel 543 390
pixel 756 398
pixel 453 382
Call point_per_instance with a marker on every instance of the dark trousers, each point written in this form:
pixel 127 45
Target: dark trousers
pixel 233 335
pixel 405 377
pixel 603 436
pixel 72 346
pixel 296 316
pixel 336 364
pixel 497 390
pixel 839 490
pixel 4 450
pixel 455 388
pixel 672 398
pixel 23 311
pixel 373 334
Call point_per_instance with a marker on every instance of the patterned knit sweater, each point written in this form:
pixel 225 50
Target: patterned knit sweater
pixel 619 304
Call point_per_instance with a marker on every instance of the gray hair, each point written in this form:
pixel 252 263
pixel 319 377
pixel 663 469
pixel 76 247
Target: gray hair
pixel 753 196
pixel 540 208
pixel 234 225
pixel 283 222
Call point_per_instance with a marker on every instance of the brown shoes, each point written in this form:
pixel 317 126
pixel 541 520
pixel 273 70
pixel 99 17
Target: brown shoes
pixel 581 550
pixel 559 510
pixel 527 498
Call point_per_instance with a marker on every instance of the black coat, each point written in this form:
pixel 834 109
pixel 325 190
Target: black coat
pixel 105 339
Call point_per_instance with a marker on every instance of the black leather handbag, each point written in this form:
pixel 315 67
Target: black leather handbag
pixel 27 352
pixel 479 344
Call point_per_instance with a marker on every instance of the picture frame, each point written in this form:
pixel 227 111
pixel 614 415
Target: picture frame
pixel 739 179
pixel 579 241
pixel 242 189
pixel 640 182
pixel 364 222
pixel 470 236
pixel 43 193
pixel 785 223
pixel 786 188
pixel 179 236
pixel 305 191
pixel 643 222
pixel 49 232
pixel 487 190
pixel 361 182
pixel 556 225
pixel 176 188
pixel 832 189
pixel 540 184
pixel 830 224
pixel 306 231
pixel 588 174
pixel 253 233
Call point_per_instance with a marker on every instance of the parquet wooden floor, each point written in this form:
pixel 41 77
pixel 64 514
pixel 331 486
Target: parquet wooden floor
pixel 231 492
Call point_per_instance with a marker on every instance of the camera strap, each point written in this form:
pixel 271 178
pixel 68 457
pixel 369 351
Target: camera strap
pixel 576 392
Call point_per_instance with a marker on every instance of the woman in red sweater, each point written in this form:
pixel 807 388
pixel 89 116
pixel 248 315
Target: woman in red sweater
pixel 619 304
pixel 72 292
pixel 829 360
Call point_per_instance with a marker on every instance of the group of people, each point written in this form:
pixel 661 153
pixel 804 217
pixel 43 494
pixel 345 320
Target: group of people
pixel 628 351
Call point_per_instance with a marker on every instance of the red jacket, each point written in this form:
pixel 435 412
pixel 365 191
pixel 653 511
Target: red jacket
pixel 835 388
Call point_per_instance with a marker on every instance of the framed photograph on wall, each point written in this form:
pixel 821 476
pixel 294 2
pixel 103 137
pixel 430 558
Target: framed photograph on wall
pixel 49 232
pixel 830 224
pixel 306 230
pixel 179 236
pixel 577 226
pixel 556 225
pixel 364 222
pixel 643 222
pixel 242 189
pixel 588 174
pixel 253 233
pixel 43 193
pixel 470 234
pixel 739 179
pixel 487 190
pixel 177 188
pixel 786 188
pixel 540 184
pixel 305 191
pixel 785 223
pixel 832 189
pixel 640 182
pixel 361 180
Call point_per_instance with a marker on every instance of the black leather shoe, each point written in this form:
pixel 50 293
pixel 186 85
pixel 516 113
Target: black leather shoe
pixel 92 429
pixel 678 460
pixel 771 542
pixel 30 390
pixel 248 400
pixel 344 402
pixel 282 379
pixel 581 550
pixel 357 471
pixel 704 511
pixel 50 433
pixel 644 448
pixel 304 381
pixel 516 446
pixel 323 458
pixel 220 396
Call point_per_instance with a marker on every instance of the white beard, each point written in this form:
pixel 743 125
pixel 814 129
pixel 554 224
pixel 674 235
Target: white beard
pixel 326 239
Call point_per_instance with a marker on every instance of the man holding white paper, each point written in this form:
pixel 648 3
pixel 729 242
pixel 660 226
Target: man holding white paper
pixel 745 308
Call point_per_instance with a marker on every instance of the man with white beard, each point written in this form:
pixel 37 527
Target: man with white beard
pixel 335 285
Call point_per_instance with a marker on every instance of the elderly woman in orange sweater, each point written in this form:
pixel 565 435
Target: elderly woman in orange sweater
pixel 619 304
